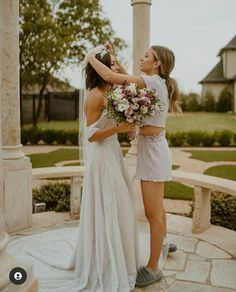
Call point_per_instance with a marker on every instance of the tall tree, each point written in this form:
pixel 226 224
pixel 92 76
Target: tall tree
pixel 55 33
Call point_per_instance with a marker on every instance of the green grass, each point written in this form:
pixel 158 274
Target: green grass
pixel 224 171
pixel 208 122
pixel 51 158
pixel 210 156
pixel 178 191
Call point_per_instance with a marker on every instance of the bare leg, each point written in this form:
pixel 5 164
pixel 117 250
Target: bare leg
pixel 153 193
pixel 164 220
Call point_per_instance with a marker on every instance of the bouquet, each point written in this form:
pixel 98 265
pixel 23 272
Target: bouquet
pixel 128 103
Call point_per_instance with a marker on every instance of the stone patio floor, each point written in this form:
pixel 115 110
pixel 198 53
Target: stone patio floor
pixel 204 262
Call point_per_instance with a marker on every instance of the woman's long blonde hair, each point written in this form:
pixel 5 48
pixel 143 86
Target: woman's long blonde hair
pixel 167 61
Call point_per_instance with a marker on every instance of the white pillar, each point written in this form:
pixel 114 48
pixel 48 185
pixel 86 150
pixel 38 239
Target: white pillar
pixel 141 30
pixel 17 167
pixel 141 41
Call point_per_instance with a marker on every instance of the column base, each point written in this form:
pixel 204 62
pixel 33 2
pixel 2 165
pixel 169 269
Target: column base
pixel 17 194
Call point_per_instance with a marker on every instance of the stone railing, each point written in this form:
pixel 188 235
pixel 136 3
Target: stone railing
pixel 203 186
pixel 75 173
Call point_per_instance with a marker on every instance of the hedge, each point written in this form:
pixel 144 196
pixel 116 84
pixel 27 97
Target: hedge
pixel 222 138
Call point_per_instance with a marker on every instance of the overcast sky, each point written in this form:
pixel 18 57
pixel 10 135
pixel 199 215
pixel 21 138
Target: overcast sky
pixel 194 29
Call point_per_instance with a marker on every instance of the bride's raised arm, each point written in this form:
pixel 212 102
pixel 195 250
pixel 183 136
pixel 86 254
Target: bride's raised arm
pixel 111 76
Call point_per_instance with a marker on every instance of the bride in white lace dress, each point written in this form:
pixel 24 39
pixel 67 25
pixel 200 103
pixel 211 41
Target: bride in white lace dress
pixel 107 245
pixel 105 258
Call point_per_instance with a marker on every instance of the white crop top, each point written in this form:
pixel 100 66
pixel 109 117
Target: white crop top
pixel 155 81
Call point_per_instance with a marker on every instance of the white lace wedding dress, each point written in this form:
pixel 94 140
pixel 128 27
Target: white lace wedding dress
pixel 105 258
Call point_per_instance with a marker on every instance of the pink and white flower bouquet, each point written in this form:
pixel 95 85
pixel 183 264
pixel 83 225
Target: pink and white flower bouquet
pixel 127 102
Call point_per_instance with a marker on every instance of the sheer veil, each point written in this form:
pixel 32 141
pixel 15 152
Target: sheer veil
pixel 83 142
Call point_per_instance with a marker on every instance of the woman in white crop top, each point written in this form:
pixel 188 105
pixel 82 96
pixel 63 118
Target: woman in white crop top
pixel 154 165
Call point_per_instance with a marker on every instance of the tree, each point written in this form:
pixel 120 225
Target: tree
pixel 208 103
pixel 56 33
pixel 225 102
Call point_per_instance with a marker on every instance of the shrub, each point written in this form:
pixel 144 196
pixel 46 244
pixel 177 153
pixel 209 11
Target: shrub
pixel 208 140
pixel 24 136
pixel 73 137
pixel 49 136
pixel 208 102
pixel 224 138
pixel 177 139
pixel 223 210
pixel 225 102
pixel 33 135
pixel 194 138
pixel 56 196
pixel 61 137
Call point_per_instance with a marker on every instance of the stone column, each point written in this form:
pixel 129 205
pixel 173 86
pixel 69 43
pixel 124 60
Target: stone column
pixel 141 30
pixel 17 167
pixel 141 41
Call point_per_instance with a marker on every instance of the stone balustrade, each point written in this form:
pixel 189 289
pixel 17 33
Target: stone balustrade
pixel 76 174
pixel 203 186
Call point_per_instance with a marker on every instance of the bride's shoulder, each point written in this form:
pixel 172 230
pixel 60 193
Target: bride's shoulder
pixel 95 97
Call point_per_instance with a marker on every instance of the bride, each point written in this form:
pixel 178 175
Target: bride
pixel 106 253
pixel 105 258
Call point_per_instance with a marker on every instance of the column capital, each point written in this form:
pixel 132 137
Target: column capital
pixel 133 2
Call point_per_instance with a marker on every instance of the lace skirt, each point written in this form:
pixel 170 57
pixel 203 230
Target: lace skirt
pixel 154 161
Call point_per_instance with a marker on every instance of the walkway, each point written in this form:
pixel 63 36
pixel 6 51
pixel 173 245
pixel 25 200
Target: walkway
pixel 204 262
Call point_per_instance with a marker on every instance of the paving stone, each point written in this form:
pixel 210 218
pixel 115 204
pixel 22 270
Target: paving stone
pixel 179 286
pixel 175 261
pixel 195 271
pixel 169 281
pixel 169 273
pixel 207 250
pixel 183 243
pixel 223 273
pixel 156 287
pixel 195 257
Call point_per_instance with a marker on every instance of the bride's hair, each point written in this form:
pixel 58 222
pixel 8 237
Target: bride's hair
pixel 93 79
pixel 167 61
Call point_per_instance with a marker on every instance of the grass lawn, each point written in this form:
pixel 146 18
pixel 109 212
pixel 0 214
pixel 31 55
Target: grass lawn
pixel 210 156
pixel 49 159
pixel 208 122
pixel 224 171
pixel 178 191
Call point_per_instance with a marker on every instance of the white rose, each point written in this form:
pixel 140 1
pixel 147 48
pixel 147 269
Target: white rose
pixel 132 88
pixel 135 106
pixel 143 109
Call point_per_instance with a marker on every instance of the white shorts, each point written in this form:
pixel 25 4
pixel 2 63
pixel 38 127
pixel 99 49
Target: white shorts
pixel 154 161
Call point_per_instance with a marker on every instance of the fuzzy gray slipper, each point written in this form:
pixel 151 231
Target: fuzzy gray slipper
pixel 146 277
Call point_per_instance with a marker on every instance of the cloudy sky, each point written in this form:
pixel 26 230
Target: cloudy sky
pixel 194 29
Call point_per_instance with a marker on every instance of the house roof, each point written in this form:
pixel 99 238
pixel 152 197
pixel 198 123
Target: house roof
pixel 230 46
pixel 216 74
